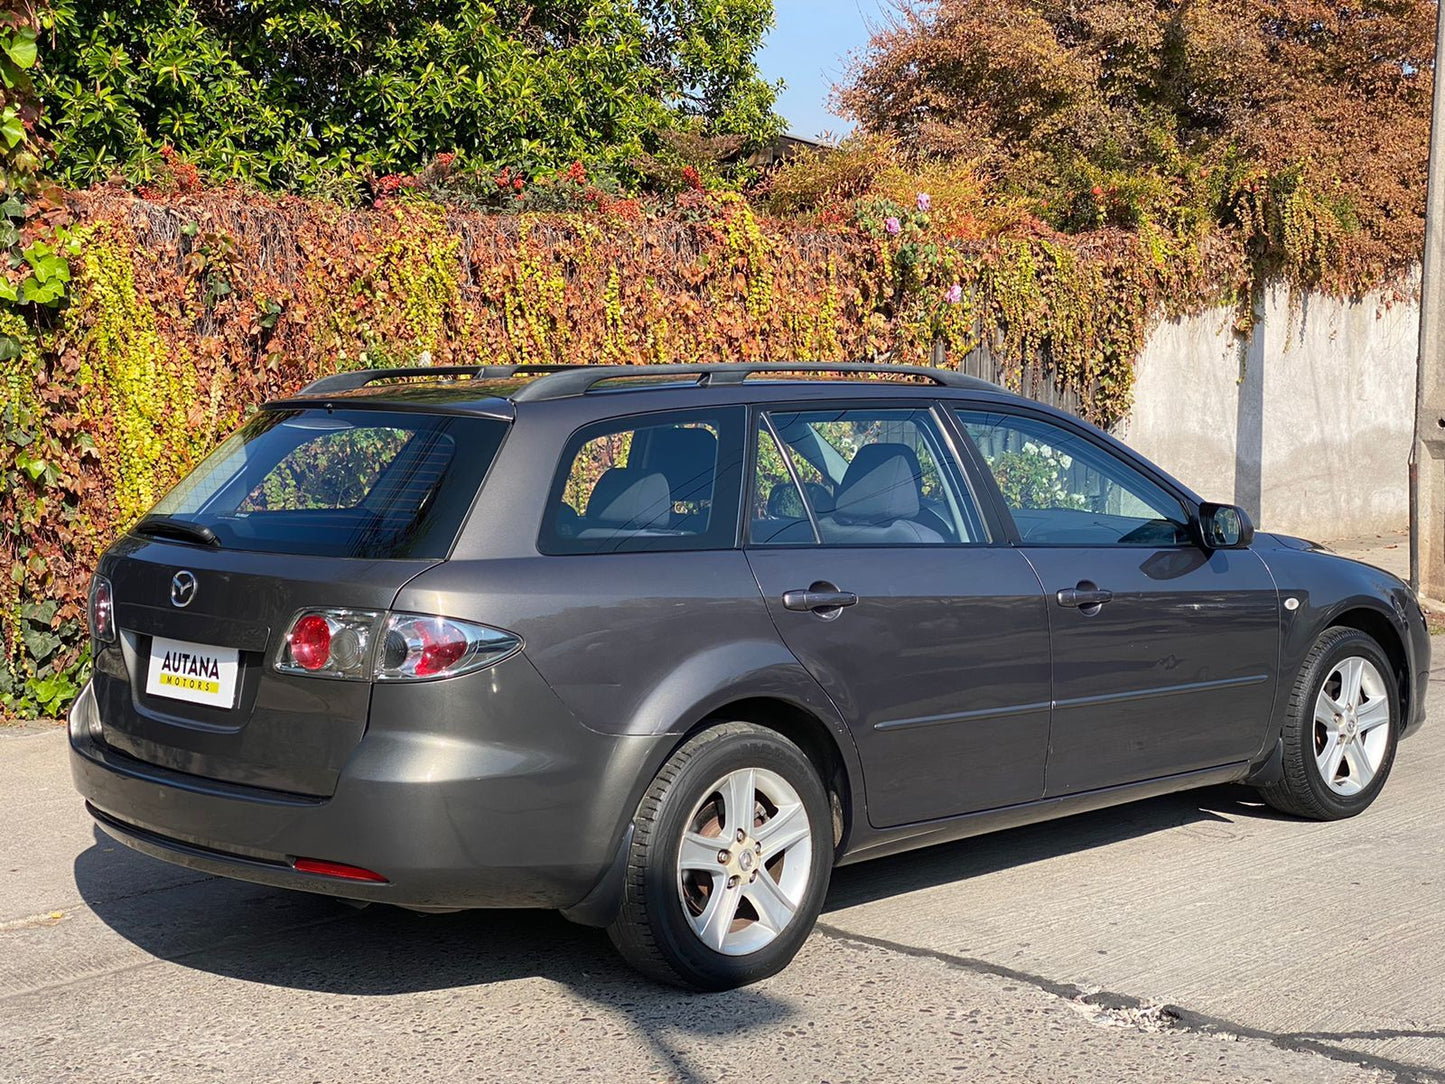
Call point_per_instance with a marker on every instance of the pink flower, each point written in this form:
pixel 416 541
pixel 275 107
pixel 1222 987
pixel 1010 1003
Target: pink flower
pixel 891 225
pixel 924 201
pixel 954 294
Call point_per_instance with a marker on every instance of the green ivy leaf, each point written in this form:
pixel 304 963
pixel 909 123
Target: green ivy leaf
pixel 52 692
pixel 12 129
pixel 21 48
pixel 32 465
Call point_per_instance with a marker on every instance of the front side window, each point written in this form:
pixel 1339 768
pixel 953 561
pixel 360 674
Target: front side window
pixel 1063 489
pixel 865 477
pixel 654 482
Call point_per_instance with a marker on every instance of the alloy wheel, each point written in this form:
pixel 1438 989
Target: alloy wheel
pixel 1351 731
pixel 745 861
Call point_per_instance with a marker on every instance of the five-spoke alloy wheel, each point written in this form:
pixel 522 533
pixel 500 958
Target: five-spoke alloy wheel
pixel 1340 729
pixel 732 851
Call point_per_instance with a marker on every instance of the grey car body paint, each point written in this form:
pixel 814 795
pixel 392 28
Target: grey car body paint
pixel 515 785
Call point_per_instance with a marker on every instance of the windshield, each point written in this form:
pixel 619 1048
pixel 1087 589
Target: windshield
pixel 344 483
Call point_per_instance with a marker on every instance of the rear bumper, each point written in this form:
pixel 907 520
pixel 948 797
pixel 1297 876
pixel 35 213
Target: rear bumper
pixel 450 823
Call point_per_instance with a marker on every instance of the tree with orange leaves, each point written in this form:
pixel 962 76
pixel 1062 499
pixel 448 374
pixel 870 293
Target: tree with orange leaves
pixel 1304 123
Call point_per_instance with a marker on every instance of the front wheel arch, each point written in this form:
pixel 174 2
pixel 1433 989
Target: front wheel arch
pixel 1378 627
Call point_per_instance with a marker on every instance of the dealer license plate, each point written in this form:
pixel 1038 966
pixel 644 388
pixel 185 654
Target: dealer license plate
pixel 194 672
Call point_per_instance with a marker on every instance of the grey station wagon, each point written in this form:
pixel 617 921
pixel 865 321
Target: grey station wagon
pixel 661 646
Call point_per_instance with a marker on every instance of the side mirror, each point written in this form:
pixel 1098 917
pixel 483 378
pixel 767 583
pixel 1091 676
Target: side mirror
pixel 1224 527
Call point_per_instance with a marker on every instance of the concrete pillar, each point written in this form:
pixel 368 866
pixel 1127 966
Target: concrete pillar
pixel 1427 458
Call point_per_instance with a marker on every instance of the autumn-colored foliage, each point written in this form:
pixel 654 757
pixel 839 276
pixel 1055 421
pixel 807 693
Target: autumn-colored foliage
pixel 1300 123
pixel 1039 181
pixel 189 309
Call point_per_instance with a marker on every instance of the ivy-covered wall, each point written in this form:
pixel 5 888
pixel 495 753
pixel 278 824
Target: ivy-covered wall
pixel 187 311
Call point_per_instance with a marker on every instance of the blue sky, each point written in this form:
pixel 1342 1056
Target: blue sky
pixel 807 48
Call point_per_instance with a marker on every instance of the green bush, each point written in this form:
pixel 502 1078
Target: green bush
pixel 295 95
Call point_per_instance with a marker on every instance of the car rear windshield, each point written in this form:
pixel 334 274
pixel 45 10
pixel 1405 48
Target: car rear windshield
pixel 343 483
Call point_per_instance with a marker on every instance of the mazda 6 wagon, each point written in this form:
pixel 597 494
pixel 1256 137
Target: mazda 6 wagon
pixel 661 646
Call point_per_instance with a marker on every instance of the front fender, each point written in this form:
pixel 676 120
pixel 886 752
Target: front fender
pixel 1331 590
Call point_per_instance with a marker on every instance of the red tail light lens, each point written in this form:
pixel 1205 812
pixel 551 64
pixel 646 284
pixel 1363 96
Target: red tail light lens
pixel 102 610
pixel 311 642
pixel 442 645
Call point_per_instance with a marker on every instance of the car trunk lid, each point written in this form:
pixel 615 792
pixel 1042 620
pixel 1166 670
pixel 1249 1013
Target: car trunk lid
pixel 281 732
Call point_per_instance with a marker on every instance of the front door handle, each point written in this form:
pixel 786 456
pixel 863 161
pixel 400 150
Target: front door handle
pixel 1087 597
pixel 821 598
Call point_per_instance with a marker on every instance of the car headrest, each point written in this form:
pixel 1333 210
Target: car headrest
pixel 630 500
pixel 686 457
pixel 783 500
pixel 883 483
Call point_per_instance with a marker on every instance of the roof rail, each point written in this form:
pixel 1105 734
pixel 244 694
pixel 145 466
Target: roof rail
pixel 361 377
pixel 579 379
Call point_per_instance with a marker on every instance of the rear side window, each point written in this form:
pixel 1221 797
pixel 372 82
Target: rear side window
pixel 357 483
pixel 871 477
pixel 647 483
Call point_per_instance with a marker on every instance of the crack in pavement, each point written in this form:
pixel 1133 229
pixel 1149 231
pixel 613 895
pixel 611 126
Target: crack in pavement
pixel 1376 1034
pixel 1188 1019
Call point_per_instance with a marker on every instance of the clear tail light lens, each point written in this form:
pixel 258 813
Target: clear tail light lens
pixel 102 610
pixel 419 646
pixel 363 645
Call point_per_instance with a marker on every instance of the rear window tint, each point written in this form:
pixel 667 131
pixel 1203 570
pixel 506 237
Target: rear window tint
pixel 652 482
pixel 345 483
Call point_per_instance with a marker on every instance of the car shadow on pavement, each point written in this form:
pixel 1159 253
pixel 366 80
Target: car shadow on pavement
pixel 295 940
pixel 979 855
pixel 300 941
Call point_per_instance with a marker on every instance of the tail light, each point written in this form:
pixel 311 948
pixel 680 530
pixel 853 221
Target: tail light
pixel 102 610
pixel 330 643
pixel 311 642
pixel 364 645
pixel 417 646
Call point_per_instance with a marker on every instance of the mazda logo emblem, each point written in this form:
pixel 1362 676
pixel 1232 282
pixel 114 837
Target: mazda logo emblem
pixel 183 588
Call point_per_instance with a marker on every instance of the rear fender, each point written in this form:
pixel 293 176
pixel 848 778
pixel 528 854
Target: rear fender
pixel 703 685
pixel 700 688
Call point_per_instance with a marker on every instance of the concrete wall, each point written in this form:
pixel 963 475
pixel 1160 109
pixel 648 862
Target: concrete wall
pixel 1307 424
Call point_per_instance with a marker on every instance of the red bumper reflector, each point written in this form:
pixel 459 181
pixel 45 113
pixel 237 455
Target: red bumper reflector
pixel 337 869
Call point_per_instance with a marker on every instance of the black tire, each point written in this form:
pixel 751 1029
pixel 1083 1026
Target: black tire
pixel 1303 790
pixel 652 930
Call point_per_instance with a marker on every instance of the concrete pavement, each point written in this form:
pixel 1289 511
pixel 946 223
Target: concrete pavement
pixel 1191 938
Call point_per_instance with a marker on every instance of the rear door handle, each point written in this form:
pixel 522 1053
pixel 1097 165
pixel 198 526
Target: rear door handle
pixel 1085 597
pixel 819 599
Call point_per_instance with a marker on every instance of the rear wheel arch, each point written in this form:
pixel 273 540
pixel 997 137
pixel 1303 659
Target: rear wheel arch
pixel 820 743
pixel 805 730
